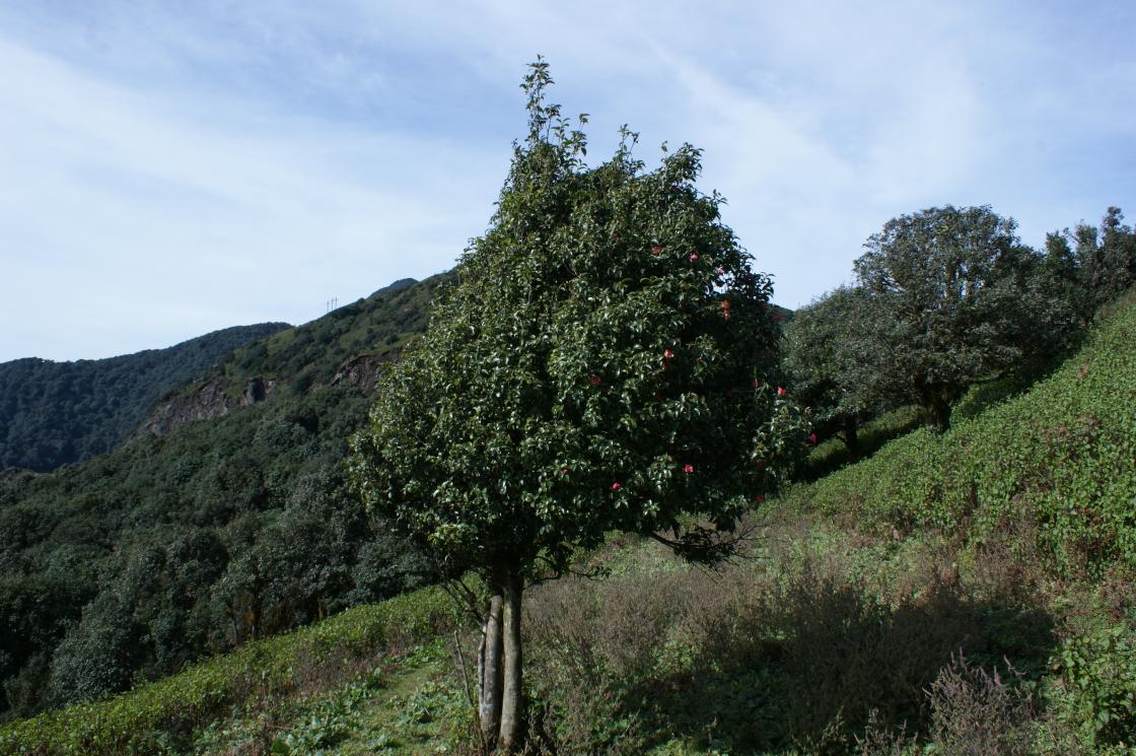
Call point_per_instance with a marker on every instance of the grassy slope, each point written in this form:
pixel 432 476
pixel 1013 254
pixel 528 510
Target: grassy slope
pixel 168 714
pixel 1058 462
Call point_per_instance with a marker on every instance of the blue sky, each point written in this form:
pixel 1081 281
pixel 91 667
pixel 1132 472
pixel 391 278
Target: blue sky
pixel 170 168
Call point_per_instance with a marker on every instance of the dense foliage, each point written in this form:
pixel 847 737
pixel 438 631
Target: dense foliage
pixel 828 361
pixel 1056 463
pixel 1099 263
pixel 54 413
pixel 921 620
pixel 602 362
pixel 132 564
pixel 834 638
pixel 957 298
pixel 948 298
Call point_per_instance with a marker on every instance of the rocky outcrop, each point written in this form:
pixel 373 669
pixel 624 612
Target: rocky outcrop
pixel 208 401
pixel 363 371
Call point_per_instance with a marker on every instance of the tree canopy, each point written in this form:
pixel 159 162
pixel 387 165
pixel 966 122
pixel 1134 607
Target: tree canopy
pixel 601 363
pixel 828 360
pixel 959 299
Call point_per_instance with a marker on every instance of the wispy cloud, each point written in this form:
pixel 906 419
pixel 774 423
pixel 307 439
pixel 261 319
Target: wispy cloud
pixel 169 172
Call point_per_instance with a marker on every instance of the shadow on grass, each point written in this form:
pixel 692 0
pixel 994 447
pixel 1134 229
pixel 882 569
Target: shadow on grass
pixel 832 454
pixel 831 664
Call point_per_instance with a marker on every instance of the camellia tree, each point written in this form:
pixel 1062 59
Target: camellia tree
pixel 600 363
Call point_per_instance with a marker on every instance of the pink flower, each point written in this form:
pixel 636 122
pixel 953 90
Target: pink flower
pixel 720 271
pixel 812 438
pixel 694 257
pixel 656 249
pixel 668 354
pixel 594 379
pixel 781 392
pixel 616 486
pixel 725 309
pixel 688 468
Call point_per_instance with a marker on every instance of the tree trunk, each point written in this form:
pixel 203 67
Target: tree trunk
pixel 941 413
pixel 852 438
pixel 490 672
pixel 512 699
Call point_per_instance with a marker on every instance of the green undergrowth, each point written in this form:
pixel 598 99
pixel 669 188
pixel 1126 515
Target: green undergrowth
pixel 405 703
pixel 163 716
pixel 832 454
pixel 1057 465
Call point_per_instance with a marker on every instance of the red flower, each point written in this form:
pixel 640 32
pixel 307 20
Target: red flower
pixel 656 249
pixel 594 379
pixel 616 486
pixel 668 354
pixel 759 498
pixel 725 309
pixel 812 438
pixel 781 391
pixel 688 468
pixel 694 257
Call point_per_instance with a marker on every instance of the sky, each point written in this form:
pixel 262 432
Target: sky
pixel 172 168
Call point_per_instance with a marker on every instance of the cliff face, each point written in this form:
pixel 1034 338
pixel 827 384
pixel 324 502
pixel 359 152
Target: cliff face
pixel 345 350
pixel 363 371
pixel 210 400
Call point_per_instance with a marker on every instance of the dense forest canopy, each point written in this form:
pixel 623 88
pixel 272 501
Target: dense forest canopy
pixel 131 564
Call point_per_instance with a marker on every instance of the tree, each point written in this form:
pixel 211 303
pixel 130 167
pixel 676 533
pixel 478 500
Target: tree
pixel 827 359
pixel 599 364
pixel 960 302
pixel 1105 260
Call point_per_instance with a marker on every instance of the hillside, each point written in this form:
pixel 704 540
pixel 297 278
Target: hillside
pixel 1055 463
pixel 194 537
pixel 56 413
pixel 970 592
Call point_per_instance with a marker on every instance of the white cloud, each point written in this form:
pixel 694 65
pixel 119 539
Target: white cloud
pixel 171 172
pixel 113 197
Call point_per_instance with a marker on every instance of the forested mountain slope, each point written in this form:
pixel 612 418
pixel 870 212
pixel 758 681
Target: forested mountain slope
pixel 55 413
pixel 193 537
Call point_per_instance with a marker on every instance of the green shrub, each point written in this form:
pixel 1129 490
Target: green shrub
pixel 1098 687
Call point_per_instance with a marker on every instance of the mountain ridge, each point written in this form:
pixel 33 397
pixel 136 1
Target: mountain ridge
pixel 60 412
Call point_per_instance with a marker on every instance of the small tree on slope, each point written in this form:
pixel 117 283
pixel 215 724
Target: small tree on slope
pixel 599 364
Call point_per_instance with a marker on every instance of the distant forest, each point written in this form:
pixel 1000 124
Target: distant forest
pixel 56 413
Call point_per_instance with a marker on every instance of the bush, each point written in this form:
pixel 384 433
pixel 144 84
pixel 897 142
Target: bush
pixel 1098 687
